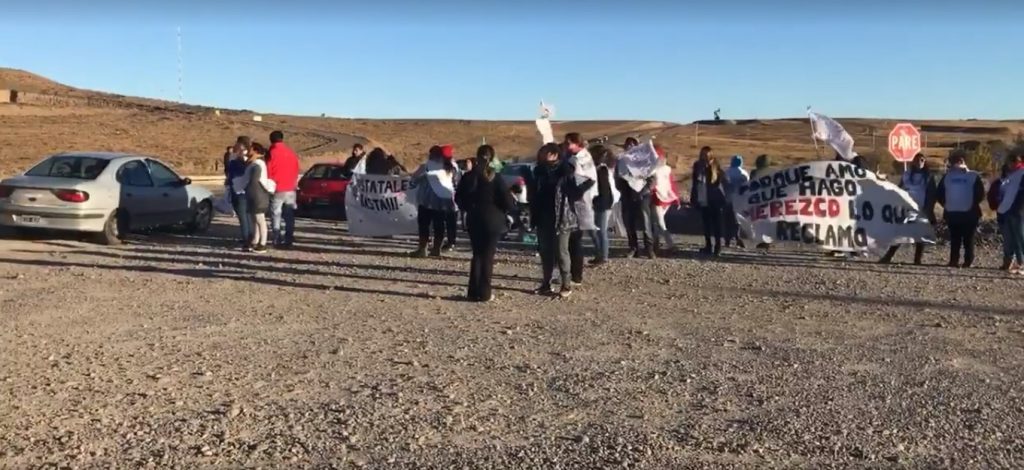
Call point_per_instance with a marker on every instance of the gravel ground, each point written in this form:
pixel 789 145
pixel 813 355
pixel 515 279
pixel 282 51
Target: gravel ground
pixel 176 352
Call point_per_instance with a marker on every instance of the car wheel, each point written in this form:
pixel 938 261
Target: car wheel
pixel 114 228
pixel 202 219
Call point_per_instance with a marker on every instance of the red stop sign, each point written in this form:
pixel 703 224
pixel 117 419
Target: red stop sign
pixel 904 142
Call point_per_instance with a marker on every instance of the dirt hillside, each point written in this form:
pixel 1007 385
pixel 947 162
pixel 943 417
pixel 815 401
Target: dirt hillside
pixel 54 117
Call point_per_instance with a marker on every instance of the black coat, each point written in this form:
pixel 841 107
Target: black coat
pixel 551 196
pixel 485 201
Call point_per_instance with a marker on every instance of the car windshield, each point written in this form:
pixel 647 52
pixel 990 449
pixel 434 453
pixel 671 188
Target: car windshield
pixel 82 168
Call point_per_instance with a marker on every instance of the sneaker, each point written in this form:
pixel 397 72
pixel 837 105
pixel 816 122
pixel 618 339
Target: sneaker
pixel 259 249
pixel 448 247
pixel 419 253
pixel 575 284
pixel 598 262
pixel 633 254
pixel 565 292
pixel 544 290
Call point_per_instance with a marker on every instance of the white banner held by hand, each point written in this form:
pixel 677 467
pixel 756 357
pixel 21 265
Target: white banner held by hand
pixel 547 134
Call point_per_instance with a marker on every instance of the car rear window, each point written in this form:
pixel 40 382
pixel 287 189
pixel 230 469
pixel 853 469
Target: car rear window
pixel 82 168
pixel 332 172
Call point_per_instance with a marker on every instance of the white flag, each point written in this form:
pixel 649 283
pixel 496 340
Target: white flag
pixel 828 130
pixel 547 134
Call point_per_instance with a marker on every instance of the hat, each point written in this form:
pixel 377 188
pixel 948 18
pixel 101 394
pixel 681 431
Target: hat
pixel 448 151
pixel 737 161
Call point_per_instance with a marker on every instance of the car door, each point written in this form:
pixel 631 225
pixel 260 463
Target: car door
pixel 138 193
pixel 174 207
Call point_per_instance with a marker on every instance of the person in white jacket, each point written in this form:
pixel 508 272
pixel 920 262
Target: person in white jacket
pixel 736 176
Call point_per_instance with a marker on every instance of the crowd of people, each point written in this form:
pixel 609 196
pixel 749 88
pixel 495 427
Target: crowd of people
pixel 572 191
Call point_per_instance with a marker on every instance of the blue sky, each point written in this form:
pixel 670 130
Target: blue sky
pixel 656 60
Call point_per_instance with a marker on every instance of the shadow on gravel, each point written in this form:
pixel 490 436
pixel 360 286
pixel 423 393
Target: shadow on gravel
pixel 199 273
pixel 822 262
pixel 220 256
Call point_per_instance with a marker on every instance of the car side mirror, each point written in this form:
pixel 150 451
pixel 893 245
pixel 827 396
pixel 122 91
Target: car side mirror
pixel 186 181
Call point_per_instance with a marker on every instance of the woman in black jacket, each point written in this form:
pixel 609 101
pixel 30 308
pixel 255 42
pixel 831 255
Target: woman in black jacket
pixel 707 194
pixel 486 199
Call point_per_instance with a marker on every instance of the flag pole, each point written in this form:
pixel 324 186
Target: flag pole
pixel 814 139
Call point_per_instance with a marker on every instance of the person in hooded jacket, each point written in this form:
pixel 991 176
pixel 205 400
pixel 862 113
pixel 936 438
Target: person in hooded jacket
pixel 922 186
pixel 707 194
pixel 1006 197
pixel 634 215
pixel 486 199
pixel 736 177
pixel 961 193
pixel 553 215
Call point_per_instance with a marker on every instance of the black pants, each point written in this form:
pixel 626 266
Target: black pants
pixel 732 229
pixel 451 226
pixel 481 268
pixel 633 219
pixel 961 234
pixel 443 222
pixel 547 247
pixel 712 221
pixel 570 246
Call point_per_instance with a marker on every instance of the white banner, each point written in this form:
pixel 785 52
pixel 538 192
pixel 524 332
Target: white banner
pixel 547 134
pixel 828 130
pixel 638 164
pixel 834 205
pixel 379 205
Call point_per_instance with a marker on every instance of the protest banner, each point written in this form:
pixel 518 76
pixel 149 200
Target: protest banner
pixel 834 205
pixel 380 205
pixel 638 164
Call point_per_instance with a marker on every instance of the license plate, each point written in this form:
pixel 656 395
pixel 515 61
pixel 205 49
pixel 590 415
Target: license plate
pixel 321 202
pixel 30 219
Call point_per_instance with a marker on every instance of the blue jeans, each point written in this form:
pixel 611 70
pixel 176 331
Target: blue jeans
pixel 283 207
pixel 1012 228
pixel 600 236
pixel 240 204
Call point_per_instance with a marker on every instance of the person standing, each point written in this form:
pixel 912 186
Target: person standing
pixel 283 169
pixel 355 158
pixel 921 185
pixel 435 182
pixel 235 168
pixel 1008 202
pixel 451 217
pixel 553 217
pixel 707 194
pixel 736 177
pixel 257 189
pixel 583 192
pixel 961 192
pixel 634 217
pixel 486 199
pixel 606 197
pixel 664 195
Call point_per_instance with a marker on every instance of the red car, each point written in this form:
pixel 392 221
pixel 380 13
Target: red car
pixel 322 188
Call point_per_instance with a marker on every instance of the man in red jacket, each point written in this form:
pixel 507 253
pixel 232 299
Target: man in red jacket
pixel 283 169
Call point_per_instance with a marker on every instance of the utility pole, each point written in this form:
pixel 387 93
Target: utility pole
pixel 181 93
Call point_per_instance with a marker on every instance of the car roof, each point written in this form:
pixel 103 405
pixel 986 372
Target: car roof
pixel 100 155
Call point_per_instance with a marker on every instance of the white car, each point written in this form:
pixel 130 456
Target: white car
pixel 108 194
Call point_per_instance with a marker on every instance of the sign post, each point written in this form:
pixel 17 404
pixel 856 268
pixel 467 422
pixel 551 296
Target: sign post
pixel 904 143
